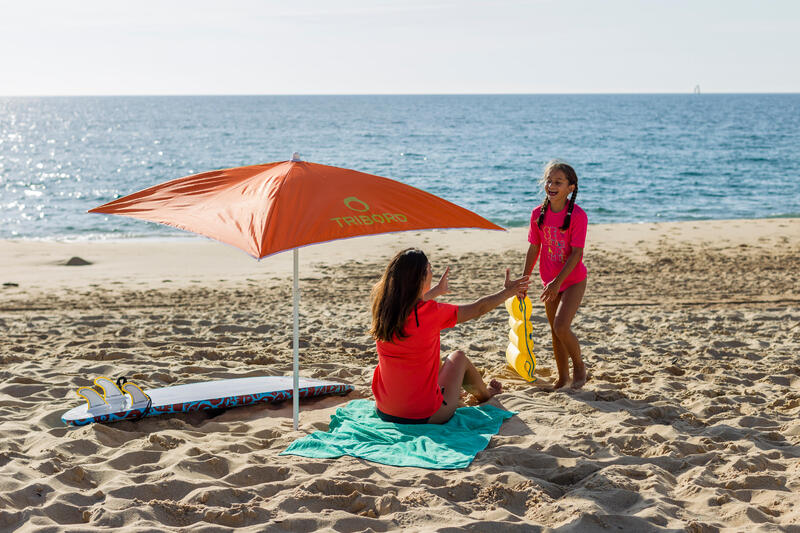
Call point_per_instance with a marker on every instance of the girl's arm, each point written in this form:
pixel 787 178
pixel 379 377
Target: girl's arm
pixel 482 306
pixel 550 292
pixel 530 259
pixel 440 289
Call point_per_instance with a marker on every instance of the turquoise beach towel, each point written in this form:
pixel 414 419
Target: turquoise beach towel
pixel 356 430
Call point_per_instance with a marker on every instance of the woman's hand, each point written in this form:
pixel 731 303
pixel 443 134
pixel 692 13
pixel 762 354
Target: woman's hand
pixel 517 287
pixel 442 287
pixel 550 291
pixel 487 303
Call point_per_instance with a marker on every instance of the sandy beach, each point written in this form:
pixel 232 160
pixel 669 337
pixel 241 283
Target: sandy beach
pixel 690 420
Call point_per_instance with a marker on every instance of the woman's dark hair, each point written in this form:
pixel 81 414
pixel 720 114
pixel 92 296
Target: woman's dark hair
pixel 572 179
pixel 394 296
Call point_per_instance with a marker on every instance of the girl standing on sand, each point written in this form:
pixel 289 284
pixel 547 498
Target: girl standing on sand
pixel 558 231
pixel 409 384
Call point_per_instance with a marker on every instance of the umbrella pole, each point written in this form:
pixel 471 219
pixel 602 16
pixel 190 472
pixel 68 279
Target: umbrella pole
pixel 296 341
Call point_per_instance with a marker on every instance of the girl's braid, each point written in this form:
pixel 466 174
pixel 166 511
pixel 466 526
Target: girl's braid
pixel 545 204
pixel 567 218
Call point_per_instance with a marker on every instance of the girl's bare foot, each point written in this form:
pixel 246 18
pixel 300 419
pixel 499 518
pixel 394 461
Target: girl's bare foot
pixel 560 384
pixel 579 376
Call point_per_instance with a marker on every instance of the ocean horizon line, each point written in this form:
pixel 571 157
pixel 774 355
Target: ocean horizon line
pixel 448 94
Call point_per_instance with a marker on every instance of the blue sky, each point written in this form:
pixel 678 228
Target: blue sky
pixel 410 46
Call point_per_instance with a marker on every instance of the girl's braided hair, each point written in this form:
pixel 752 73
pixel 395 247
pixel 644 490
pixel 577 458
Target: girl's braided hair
pixel 572 179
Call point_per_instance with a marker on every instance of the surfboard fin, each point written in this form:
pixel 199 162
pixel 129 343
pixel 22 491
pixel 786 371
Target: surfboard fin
pixel 92 397
pixel 138 397
pixel 111 392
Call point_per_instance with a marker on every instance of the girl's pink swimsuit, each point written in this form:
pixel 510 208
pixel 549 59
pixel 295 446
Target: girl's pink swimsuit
pixel 556 245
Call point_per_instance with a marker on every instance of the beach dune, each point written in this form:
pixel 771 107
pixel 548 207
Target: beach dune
pixel 690 420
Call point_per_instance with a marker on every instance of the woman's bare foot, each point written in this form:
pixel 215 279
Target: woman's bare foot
pixel 495 387
pixel 579 376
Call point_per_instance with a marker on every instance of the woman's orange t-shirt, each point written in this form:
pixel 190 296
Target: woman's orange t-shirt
pixel 406 380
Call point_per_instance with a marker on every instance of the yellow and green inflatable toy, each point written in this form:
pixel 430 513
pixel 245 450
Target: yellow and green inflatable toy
pixel 519 353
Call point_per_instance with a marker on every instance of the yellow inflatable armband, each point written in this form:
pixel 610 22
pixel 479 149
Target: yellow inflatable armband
pixel 523 364
pixel 519 353
pixel 520 330
pixel 519 310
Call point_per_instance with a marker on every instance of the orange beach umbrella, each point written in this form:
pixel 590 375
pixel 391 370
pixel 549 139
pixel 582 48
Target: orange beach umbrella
pixel 270 208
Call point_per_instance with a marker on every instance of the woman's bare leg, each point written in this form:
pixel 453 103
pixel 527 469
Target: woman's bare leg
pixel 458 372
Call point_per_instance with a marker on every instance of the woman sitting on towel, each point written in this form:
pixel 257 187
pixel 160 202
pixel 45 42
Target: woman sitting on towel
pixel 409 384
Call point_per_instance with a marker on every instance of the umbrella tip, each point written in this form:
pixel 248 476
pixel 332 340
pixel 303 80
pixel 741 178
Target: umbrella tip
pixel 296 157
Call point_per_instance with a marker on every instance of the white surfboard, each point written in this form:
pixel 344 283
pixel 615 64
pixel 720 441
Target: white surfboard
pixel 127 401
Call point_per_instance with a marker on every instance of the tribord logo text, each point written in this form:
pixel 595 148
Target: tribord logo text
pixel 363 217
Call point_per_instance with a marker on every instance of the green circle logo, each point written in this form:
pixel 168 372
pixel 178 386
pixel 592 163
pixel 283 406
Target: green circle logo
pixel 350 200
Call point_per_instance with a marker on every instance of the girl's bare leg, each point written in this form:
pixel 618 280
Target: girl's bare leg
pixel 569 302
pixel 560 352
pixel 458 372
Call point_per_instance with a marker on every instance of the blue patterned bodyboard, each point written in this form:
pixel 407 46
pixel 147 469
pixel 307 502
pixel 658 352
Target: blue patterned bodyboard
pixel 126 401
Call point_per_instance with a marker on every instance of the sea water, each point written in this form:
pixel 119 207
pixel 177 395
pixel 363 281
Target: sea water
pixel 639 158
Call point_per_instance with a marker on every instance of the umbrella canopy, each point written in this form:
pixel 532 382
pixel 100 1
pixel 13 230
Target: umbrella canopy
pixel 270 208
pixel 265 209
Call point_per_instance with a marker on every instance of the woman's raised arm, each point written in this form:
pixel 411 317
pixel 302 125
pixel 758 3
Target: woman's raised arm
pixel 479 307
